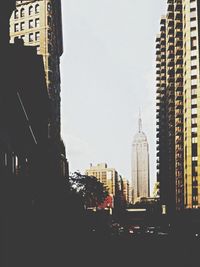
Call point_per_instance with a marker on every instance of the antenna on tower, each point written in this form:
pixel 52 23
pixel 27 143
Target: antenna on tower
pixel 140 121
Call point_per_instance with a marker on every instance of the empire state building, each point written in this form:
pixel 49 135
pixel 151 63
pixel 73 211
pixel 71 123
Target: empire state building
pixel 140 165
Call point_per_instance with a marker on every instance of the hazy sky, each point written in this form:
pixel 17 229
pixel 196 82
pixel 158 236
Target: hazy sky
pixel 108 73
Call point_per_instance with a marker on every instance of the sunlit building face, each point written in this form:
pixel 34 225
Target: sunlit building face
pixel 38 23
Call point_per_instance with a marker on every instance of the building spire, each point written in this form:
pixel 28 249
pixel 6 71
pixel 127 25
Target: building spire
pixel 140 122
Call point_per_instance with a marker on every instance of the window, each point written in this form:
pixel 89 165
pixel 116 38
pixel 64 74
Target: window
pixel 30 24
pixel 49 7
pixel 37 36
pixel 37 9
pixel 22 26
pixel 31 37
pixel 30 12
pixel 22 12
pixel 49 21
pixel 193 43
pixel 37 22
pixel 16 15
pixel 16 27
pixel 23 37
pixel 49 34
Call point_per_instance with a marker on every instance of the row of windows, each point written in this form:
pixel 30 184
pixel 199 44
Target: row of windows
pixel 32 23
pixel 20 13
pixel 32 37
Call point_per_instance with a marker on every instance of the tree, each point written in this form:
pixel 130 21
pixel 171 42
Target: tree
pixel 92 191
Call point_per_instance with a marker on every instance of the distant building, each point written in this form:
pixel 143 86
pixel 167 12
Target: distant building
pixel 140 165
pixel 107 176
pixel 126 190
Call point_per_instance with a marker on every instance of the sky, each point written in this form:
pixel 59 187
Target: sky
pixel 107 75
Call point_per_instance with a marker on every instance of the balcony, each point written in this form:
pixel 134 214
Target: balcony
pixel 178 25
pixel 179 104
pixel 178 43
pixel 179 78
pixel 178 7
pixel 179 96
pixel 179 123
pixel 158 72
pixel 178 16
pixel 158 65
pixel 179 60
pixel 179 70
pixel 179 52
pixel 179 34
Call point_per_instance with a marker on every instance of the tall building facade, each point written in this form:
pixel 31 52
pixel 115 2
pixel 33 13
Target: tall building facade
pixel 39 23
pixel 140 165
pixel 177 70
pixel 107 176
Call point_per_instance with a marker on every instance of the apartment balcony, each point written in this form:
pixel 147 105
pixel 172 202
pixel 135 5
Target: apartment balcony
pixel 170 80
pixel 158 72
pixel 179 79
pixel 163 56
pixel 163 83
pixel 179 133
pixel 158 91
pixel 170 71
pixel 170 47
pixel 163 70
pixel 162 41
pixel 163 64
pixel 170 31
pixel 179 34
pixel 170 55
pixel 170 39
pixel 158 58
pixel 179 114
pixel 157 84
pixel 178 16
pixel 163 32
pixel 179 60
pixel 178 7
pixel 158 45
pixel 179 87
pixel 179 104
pixel 158 97
pixel 179 70
pixel 179 52
pixel 179 96
pixel 163 49
pixel 179 43
pixel 179 122
pixel 158 51
pixel 178 24
pixel 158 65
pixel 179 140
pixel 170 63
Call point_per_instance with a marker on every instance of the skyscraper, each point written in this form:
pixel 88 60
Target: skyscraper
pixel 178 121
pixel 140 165
pixel 39 23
